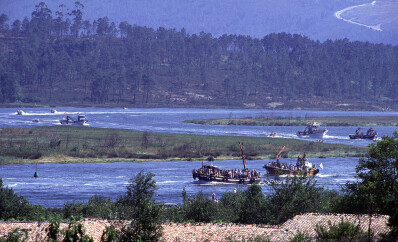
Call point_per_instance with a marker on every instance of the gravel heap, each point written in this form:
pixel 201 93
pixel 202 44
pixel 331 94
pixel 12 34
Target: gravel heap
pixel 214 232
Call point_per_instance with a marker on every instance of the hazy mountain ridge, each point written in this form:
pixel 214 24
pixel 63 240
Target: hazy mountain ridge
pixel 313 18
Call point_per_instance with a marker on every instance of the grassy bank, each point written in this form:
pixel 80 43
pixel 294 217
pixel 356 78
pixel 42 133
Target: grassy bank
pixel 302 121
pixel 86 144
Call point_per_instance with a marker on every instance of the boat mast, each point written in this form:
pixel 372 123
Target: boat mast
pixel 243 156
pixel 278 156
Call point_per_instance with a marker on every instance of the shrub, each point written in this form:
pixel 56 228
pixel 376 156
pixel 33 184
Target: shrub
pixel 16 235
pixel 301 237
pixel 142 209
pixel 293 196
pixel 200 208
pixel 343 231
pixel 76 232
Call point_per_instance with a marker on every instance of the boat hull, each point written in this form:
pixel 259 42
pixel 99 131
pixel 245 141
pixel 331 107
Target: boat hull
pixel 358 136
pixel 211 178
pixel 316 134
pixel 279 171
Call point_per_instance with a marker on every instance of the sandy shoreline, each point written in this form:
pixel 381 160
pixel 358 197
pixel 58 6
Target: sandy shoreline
pixel 215 232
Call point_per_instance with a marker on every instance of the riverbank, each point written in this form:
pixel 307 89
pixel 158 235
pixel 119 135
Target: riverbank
pixel 216 232
pixel 65 144
pixel 356 121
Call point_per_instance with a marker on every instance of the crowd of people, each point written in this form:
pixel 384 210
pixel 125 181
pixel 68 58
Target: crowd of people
pixel 234 174
pixel 300 164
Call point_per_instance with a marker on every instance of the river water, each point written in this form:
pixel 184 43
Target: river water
pixel 58 183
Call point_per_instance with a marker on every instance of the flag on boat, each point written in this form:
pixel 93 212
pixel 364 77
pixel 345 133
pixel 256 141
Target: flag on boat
pixel 321 166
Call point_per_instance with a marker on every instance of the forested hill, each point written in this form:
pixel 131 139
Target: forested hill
pixel 62 59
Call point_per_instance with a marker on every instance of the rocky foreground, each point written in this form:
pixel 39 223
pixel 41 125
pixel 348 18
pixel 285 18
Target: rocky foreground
pixel 215 232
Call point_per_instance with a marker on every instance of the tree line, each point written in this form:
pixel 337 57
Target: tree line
pixel 60 58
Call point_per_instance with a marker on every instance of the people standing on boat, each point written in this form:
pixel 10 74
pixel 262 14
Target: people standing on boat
pixel 298 161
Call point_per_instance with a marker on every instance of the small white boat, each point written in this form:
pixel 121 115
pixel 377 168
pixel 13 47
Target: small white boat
pixel 54 111
pixel 312 131
pixel 20 112
pixel 81 120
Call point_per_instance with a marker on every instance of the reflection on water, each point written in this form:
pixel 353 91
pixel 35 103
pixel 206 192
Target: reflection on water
pixel 58 183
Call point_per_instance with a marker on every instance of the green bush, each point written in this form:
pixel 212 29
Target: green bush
pixel 343 231
pixel 100 207
pixel 53 231
pixel 140 206
pixel 300 237
pixel 76 232
pixel 17 235
pixel 110 235
pixel 293 196
pixel 200 208
pixel 253 206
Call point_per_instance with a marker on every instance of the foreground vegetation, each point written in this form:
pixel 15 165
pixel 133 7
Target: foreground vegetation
pixel 86 144
pixel 356 121
pixel 376 191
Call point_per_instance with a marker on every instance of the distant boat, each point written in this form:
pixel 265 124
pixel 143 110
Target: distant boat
pixel 370 134
pixel 81 120
pixel 20 112
pixel 312 131
pixel 53 111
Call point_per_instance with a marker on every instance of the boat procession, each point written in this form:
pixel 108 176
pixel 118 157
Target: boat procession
pixel 301 168
pixel 371 134
pixel 211 173
pixel 312 131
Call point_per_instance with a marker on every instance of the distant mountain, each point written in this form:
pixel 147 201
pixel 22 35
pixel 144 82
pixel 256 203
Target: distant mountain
pixel 313 18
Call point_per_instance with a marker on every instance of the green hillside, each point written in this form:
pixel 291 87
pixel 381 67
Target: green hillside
pixel 61 59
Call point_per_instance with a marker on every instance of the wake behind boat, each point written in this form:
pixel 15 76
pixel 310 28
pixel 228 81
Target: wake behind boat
pixel 211 173
pixel 302 167
pixel 312 131
pixel 81 120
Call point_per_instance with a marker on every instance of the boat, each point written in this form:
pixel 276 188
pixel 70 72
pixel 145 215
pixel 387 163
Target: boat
pixel 211 173
pixel 312 130
pixel 20 112
pixel 301 168
pixel 54 111
pixel 371 134
pixel 81 120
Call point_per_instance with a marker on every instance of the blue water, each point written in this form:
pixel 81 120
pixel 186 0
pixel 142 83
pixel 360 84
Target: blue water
pixel 170 120
pixel 58 183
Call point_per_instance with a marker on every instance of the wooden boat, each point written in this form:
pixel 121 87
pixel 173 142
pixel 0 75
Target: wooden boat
pixel 312 131
pixel 370 134
pixel 211 173
pixel 302 167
